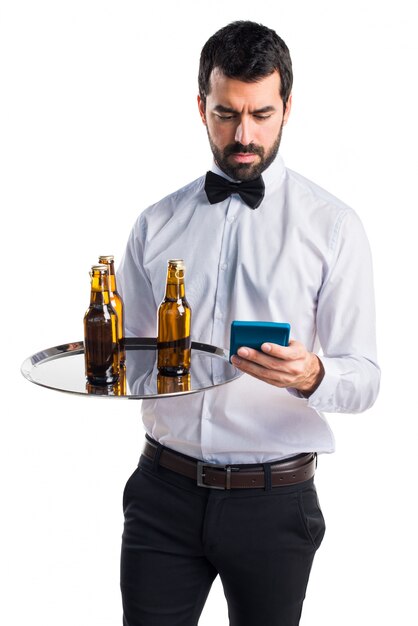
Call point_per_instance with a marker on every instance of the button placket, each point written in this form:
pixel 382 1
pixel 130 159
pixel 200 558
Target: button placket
pixel 223 291
pixel 221 305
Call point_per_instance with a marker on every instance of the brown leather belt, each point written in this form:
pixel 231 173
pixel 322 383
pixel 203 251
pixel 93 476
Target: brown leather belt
pixel 213 476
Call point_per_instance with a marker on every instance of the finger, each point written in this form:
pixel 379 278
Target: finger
pixel 295 350
pixel 246 356
pixel 272 376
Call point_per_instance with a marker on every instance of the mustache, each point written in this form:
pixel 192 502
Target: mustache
pixel 239 148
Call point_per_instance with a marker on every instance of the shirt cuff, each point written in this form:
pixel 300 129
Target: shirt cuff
pixel 323 398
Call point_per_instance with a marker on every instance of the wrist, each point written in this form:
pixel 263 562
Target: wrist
pixel 314 378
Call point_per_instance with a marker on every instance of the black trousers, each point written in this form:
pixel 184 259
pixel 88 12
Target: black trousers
pixel 178 537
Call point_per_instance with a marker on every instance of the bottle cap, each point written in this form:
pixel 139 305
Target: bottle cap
pixel 104 258
pixel 103 269
pixel 179 263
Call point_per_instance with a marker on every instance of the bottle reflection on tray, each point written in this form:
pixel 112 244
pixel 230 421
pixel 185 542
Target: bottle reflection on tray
pixel 117 389
pixel 121 384
pixel 173 384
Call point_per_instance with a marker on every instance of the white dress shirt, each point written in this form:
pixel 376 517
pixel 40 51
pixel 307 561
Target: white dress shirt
pixel 302 257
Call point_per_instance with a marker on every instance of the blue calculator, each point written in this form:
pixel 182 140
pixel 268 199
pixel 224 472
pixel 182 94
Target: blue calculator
pixel 254 334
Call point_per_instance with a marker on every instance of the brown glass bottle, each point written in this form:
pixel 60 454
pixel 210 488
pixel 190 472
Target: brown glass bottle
pixel 101 346
pixel 117 303
pixel 174 321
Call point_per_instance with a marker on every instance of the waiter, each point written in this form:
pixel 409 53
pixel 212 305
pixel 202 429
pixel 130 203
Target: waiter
pixel 225 483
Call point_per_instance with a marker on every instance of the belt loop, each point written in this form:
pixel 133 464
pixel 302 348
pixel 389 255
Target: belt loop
pixel 156 461
pixel 267 476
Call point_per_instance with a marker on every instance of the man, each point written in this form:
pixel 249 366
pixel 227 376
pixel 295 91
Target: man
pixel 272 247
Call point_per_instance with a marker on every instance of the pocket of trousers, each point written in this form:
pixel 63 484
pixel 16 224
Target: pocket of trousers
pixel 127 485
pixel 312 517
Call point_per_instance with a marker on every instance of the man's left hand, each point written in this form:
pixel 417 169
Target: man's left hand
pixel 282 366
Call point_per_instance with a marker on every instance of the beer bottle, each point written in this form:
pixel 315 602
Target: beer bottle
pixel 101 347
pixel 174 318
pixel 117 303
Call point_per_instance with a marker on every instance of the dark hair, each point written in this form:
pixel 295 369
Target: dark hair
pixel 246 51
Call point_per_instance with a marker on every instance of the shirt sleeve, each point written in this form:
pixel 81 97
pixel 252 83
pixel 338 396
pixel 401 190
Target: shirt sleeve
pixel 346 324
pixel 135 287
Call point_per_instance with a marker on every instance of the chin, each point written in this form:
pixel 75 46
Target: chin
pixel 247 171
pixel 243 171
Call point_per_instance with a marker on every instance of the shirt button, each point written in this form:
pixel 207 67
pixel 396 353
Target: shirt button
pixel 224 266
pixel 231 218
pixel 218 315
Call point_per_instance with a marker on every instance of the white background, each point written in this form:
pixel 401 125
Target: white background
pixel 97 99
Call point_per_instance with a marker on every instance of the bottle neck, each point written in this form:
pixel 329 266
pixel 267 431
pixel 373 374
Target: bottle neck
pixel 175 289
pixel 112 278
pixel 99 289
pixel 112 283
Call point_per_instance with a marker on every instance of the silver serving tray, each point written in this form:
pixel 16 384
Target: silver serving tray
pixel 62 368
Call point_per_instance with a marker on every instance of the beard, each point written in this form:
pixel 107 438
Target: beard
pixel 244 171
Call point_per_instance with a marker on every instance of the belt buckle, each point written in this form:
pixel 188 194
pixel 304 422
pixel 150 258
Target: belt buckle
pixel 201 474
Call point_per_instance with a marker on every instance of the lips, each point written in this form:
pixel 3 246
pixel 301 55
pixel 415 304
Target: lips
pixel 242 157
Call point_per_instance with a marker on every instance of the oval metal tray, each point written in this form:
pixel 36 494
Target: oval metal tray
pixel 62 368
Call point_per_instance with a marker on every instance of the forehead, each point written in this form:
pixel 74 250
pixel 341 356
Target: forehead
pixel 235 93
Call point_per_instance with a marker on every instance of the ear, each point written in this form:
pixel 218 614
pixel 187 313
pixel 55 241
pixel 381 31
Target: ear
pixel 287 109
pixel 202 109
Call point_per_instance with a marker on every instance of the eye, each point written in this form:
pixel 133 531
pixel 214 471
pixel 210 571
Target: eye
pixel 262 117
pixel 225 117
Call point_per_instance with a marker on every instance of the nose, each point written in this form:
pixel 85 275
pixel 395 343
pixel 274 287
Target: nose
pixel 243 132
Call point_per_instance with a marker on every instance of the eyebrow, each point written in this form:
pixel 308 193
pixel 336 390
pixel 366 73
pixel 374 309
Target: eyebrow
pixel 220 108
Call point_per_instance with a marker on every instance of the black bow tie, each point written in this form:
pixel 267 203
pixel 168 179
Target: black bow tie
pixel 219 188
